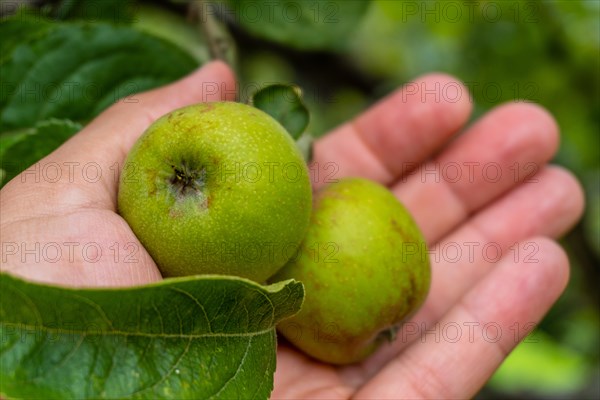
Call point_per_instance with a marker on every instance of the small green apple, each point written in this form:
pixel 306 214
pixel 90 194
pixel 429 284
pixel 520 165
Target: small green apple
pixel 365 268
pixel 216 188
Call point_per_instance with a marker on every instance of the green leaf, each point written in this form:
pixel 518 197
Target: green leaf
pixel 184 338
pixel 591 217
pixel 541 366
pixel 305 145
pixel 284 103
pixel 18 30
pixel 173 28
pixel 307 25
pixel 19 150
pixel 75 70
pixel 115 11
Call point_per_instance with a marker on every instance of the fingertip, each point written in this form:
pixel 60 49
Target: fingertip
pixel 452 91
pixel 573 196
pixel 535 123
pixel 217 70
pixel 213 81
pixel 554 259
pixel 439 106
pixel 222 69
pixel 410 124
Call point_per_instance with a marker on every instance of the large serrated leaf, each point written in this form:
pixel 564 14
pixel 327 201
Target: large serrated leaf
pixel 75 70
pixel 185 338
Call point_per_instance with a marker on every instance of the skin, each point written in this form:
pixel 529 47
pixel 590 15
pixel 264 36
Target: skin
pixel 365 268
pixel 216 188
pixel 400 129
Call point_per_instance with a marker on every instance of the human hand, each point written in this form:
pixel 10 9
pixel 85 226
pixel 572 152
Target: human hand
pixel 403 130
pixel 488 205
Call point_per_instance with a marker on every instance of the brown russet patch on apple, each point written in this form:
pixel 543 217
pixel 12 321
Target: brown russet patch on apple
pixel 329 331
pixel 152 177
pixel 316 285
pixel 398 228
pixel 338 195
pixel 175 213
pixel 411 295
pixel 207 107
pixel 189 129
pixel 174 118
pixel 387 313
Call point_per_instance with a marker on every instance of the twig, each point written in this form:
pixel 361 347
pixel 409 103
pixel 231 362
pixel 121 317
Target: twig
pixel 217 42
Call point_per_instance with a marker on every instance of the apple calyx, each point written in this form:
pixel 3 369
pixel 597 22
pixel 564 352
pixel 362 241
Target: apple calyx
pixel 187 180
pixel 388 334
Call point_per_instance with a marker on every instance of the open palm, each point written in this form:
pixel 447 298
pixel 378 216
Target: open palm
pixel 486 201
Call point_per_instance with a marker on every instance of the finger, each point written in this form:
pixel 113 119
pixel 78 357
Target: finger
pixel 507 146
pixel 299 377
pixel 548 207
pixel 119 127
pixel 88 165
pixel 456 357
pixel 405 127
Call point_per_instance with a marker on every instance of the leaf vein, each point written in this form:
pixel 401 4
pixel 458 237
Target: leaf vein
pixel 237 371
pixel 195 300
pixel 116 332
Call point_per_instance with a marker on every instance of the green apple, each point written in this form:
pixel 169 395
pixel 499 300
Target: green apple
pixel 216 188
pixel 365 268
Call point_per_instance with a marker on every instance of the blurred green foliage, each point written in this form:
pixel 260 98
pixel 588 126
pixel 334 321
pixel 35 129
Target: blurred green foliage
pixel 306 25
pixel 348 54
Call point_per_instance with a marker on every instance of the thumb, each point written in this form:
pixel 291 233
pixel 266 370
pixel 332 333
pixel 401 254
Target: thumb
pixel 117 129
